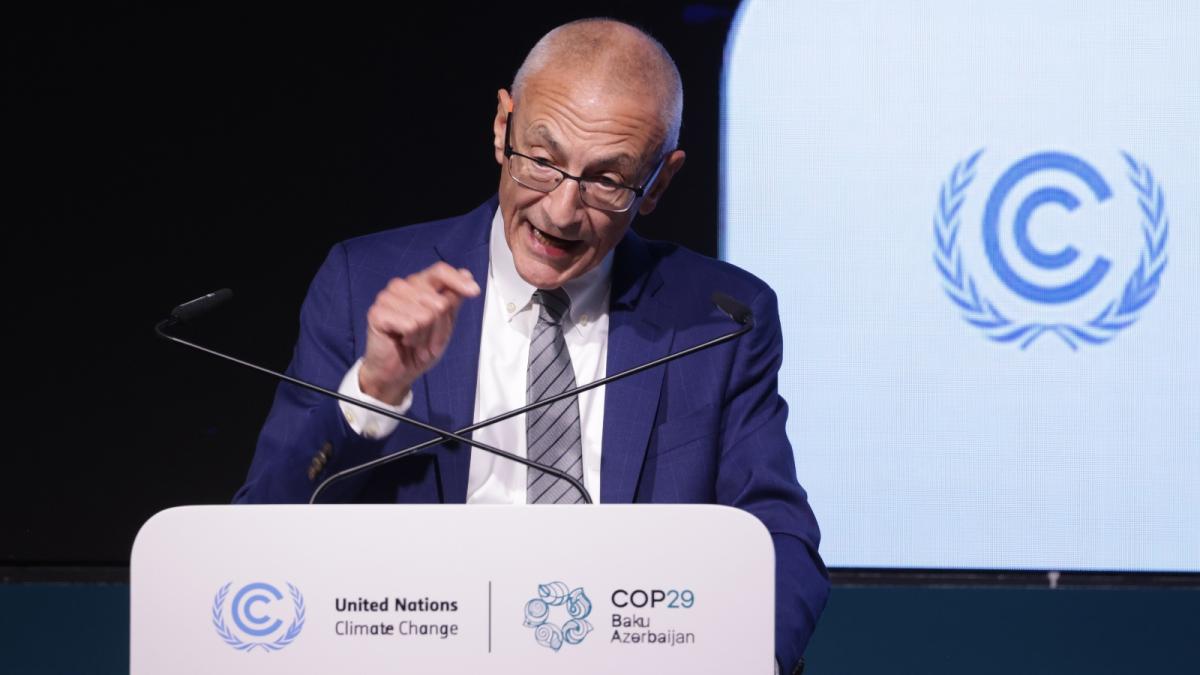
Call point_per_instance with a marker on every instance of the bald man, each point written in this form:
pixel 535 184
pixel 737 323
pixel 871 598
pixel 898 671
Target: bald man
pixel 541 288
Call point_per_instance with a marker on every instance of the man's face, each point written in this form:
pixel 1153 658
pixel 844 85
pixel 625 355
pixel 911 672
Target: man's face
pixel 554 237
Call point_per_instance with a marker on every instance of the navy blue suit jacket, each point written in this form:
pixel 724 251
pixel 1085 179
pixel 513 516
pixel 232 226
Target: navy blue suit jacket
pixel 708 428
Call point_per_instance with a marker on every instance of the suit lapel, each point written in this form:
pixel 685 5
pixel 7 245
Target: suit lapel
pixel 450 386
pixel 636 334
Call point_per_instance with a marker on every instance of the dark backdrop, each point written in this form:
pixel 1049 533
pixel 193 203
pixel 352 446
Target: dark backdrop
pixel 158 154
pixel 154 155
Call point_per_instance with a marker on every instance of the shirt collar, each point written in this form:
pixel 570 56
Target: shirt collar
pixel 588 293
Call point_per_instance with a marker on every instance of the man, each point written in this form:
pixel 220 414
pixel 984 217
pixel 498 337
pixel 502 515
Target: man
pixel 539 289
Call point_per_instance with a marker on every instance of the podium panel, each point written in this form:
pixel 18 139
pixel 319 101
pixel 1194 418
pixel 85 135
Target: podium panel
pixel 452 589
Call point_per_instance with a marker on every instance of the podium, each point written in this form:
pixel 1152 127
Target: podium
pixel 452 589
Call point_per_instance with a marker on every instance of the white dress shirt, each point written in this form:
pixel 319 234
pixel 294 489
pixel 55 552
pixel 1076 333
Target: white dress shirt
pixel 509 316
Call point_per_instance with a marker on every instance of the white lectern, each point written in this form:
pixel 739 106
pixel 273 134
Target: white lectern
pixel 452 589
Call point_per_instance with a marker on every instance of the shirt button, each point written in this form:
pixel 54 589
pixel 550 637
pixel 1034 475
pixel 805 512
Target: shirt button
pixel 583 320
pixel 371 431
pixel 510 307
pixel 349 416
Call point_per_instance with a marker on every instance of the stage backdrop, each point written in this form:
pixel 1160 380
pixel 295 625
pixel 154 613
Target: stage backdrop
pixel 982 219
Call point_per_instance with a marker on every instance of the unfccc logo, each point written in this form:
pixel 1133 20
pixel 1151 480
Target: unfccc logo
pixel 1040 307
pixel 258 611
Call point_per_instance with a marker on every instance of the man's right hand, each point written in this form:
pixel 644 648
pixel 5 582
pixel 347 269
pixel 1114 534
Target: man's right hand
pixel 409 327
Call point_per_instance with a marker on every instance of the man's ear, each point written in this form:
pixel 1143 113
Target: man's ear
pixel 504 106
pixel 673 163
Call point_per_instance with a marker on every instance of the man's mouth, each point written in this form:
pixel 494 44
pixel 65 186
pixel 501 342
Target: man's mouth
pixel 552 244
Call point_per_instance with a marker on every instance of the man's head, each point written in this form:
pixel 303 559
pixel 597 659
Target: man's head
pixel 600 100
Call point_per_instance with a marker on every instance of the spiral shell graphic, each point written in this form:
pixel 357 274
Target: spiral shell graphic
pixel 575 630
pixel 554 593
pixel 578 604
pixel 548 630
pixel 536 613
pixel 548 635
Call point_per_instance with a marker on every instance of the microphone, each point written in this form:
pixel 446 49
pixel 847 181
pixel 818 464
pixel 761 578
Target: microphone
pixel 201 305
pixel 734 309
pixel 194 308
pixel 740 314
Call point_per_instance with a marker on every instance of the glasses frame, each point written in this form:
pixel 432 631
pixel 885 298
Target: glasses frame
pixel 638 192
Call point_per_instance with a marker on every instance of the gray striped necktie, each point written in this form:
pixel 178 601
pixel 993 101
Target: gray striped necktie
pixel 552 432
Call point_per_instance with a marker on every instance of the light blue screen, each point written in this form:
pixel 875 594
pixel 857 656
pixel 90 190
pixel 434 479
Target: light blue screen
pixel 982 220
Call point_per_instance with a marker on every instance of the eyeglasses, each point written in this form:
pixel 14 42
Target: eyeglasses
pixel 601 193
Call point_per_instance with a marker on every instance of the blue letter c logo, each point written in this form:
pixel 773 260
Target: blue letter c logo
pixel 1038 257
pixel 242 610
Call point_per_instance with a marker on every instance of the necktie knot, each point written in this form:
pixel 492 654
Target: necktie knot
pixel 553 305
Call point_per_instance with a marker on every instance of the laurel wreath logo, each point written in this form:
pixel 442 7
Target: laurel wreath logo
pixel 231 639
pixel 1116 316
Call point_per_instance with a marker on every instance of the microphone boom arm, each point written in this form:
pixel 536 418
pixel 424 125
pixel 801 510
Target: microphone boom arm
pixel 399 454
pixel 731 307
pixel 443 436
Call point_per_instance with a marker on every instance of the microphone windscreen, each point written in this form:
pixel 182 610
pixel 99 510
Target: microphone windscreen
pixel 201 305
pixel 736 310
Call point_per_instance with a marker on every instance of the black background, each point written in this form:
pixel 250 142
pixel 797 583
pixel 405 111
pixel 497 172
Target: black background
pixel 158 154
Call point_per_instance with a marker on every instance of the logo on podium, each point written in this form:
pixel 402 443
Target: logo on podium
pixel 558 597
pixel 258 611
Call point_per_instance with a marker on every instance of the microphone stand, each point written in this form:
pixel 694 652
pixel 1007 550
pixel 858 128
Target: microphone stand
pixel 443 435
pixel 399 454
pixel 732 308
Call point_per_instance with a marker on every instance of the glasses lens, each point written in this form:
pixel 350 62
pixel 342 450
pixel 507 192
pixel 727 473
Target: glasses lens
pixel 533 174
pixel 606 195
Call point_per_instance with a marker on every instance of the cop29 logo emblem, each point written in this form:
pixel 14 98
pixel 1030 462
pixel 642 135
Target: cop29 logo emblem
pixel 557 595
pixel 258 612
pixel 1038 289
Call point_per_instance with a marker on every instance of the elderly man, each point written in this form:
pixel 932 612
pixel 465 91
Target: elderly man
pixel 538 289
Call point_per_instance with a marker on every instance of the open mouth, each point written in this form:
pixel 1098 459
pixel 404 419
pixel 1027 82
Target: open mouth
pixel 554 244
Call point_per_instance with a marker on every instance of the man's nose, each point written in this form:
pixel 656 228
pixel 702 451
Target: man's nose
pixel 563 206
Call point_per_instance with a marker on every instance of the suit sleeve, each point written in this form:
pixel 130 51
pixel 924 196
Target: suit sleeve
pixel 306 437
pixel 758 473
